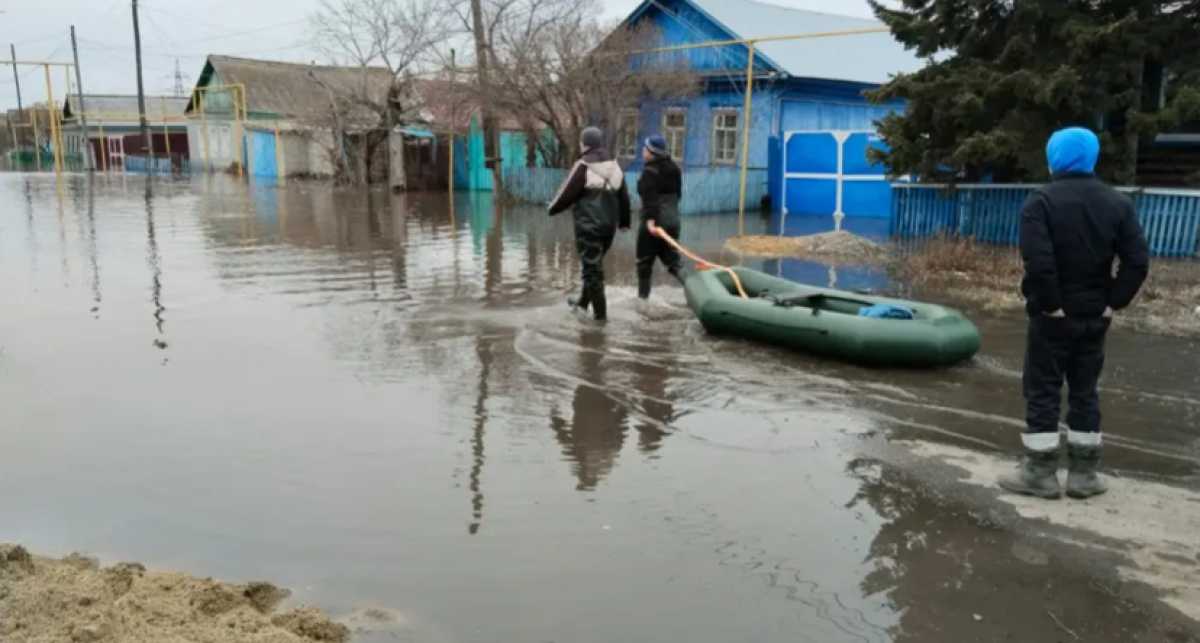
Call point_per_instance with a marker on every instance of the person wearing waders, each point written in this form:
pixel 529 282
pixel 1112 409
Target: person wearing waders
pixel 1072 229
pixel 660 187
pixel 596 190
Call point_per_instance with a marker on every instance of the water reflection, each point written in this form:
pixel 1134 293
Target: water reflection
pixel 939 561
pixel 651 379
pixel 154 262
pixel 93 249
pixel 483 352
pixel 592 437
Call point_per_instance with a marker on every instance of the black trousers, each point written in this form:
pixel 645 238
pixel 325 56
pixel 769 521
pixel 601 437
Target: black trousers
pixel 1058 350
pixel 591 249
pixel 649 248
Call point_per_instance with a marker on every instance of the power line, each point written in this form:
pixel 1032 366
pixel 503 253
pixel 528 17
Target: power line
pixel 181 54
pixel 222 36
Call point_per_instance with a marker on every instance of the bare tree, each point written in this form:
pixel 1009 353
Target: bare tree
pixel 561 69
pixel 391 41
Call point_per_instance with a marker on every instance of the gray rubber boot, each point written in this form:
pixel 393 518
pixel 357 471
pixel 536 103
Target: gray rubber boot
pixel 1036 475
pixel 1082 479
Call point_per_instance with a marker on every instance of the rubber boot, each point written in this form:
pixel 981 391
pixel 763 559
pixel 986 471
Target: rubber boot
pixel 1082 479
pixel 643 287
pixel 599 305
pixel 1036 475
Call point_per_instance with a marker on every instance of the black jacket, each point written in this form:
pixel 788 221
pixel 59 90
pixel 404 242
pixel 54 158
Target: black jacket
pixel 1071 231
pixel 660 187
pixel 596 190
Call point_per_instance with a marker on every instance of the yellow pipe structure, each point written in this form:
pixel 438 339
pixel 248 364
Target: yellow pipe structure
pixel 280 172
pixel 62 113
pixel 37 143
pixel 162 104
pixel 38 63
pixel 204 134
pixel 55 134
pixel 746 107
pixel 103 148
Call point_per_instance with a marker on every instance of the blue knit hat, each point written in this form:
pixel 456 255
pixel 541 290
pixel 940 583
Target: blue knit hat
pixel 1074 149
pixel 657 145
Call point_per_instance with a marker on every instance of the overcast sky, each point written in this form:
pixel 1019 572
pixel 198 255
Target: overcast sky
pixel 183 31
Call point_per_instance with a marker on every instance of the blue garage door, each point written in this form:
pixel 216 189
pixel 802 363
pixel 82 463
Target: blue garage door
pixel 827 173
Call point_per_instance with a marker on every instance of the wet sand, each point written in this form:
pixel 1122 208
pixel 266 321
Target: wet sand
pixel 74 599
pixel 382 404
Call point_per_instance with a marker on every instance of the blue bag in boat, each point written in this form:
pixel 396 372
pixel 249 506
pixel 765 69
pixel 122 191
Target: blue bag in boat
pixel 886 311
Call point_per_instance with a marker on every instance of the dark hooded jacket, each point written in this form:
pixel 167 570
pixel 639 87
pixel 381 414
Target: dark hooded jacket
pixel 660 187
pixel 596 190
pixel 1072 229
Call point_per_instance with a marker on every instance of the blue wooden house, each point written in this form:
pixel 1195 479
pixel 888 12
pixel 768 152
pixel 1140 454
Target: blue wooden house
pixel 810 124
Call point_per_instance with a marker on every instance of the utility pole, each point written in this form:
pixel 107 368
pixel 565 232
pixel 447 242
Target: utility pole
pixel 88 164
pixel 17 80
pixel 490 135
pixel 137 51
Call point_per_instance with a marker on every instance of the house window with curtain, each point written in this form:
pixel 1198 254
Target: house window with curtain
pixel 725 137
pixel 627 134
pixel 675 131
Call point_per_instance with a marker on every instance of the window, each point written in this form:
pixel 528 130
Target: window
pixel 675 131
pixel 725 137
pixel 627 134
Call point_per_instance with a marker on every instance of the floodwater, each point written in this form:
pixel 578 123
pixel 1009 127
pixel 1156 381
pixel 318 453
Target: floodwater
pixel 382 402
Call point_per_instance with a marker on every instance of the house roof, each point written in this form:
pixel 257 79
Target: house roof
pixel 452 105
pixel 293 89
pixel 864 58
pixel 121 108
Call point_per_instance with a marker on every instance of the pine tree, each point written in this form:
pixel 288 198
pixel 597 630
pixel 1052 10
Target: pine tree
pixel 1003 74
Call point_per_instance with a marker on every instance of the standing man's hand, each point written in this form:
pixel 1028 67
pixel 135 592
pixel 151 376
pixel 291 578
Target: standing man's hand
pixel 1108 312
pixel 1057 314
pixel 650 226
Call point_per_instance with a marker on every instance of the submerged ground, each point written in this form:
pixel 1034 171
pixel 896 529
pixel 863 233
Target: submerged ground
pixel 382 403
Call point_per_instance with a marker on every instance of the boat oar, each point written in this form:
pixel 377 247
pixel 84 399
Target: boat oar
pixel 701 263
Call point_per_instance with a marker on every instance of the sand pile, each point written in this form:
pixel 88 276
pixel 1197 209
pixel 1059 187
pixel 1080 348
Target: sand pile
pixel 839 245
pixel 76 600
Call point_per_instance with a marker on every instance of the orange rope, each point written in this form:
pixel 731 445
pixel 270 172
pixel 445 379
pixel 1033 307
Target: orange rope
pixel 701 263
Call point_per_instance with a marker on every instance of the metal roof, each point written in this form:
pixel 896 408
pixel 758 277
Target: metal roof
pixel 864 58
pixel 122 108
pixel 297 90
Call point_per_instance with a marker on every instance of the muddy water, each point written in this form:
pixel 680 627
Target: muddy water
pixel 383 402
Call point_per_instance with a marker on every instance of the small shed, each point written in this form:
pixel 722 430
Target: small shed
pixel 114 131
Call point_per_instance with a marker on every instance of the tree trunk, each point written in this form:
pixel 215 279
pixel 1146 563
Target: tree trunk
pixel 491 137
pixel 1127 174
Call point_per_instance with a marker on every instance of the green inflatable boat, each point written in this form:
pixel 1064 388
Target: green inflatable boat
pixel 828 322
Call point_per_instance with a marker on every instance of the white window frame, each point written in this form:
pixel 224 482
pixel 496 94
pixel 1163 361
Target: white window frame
pixel 721 131
pixel 676 136
pixel 627 136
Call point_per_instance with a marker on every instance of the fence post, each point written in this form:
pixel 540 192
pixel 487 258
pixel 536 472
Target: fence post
pixel 965 200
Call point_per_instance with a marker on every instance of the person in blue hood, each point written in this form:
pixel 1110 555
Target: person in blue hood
pixel 1072 231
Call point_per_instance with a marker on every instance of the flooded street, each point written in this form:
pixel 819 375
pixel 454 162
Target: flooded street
pixel 383 402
